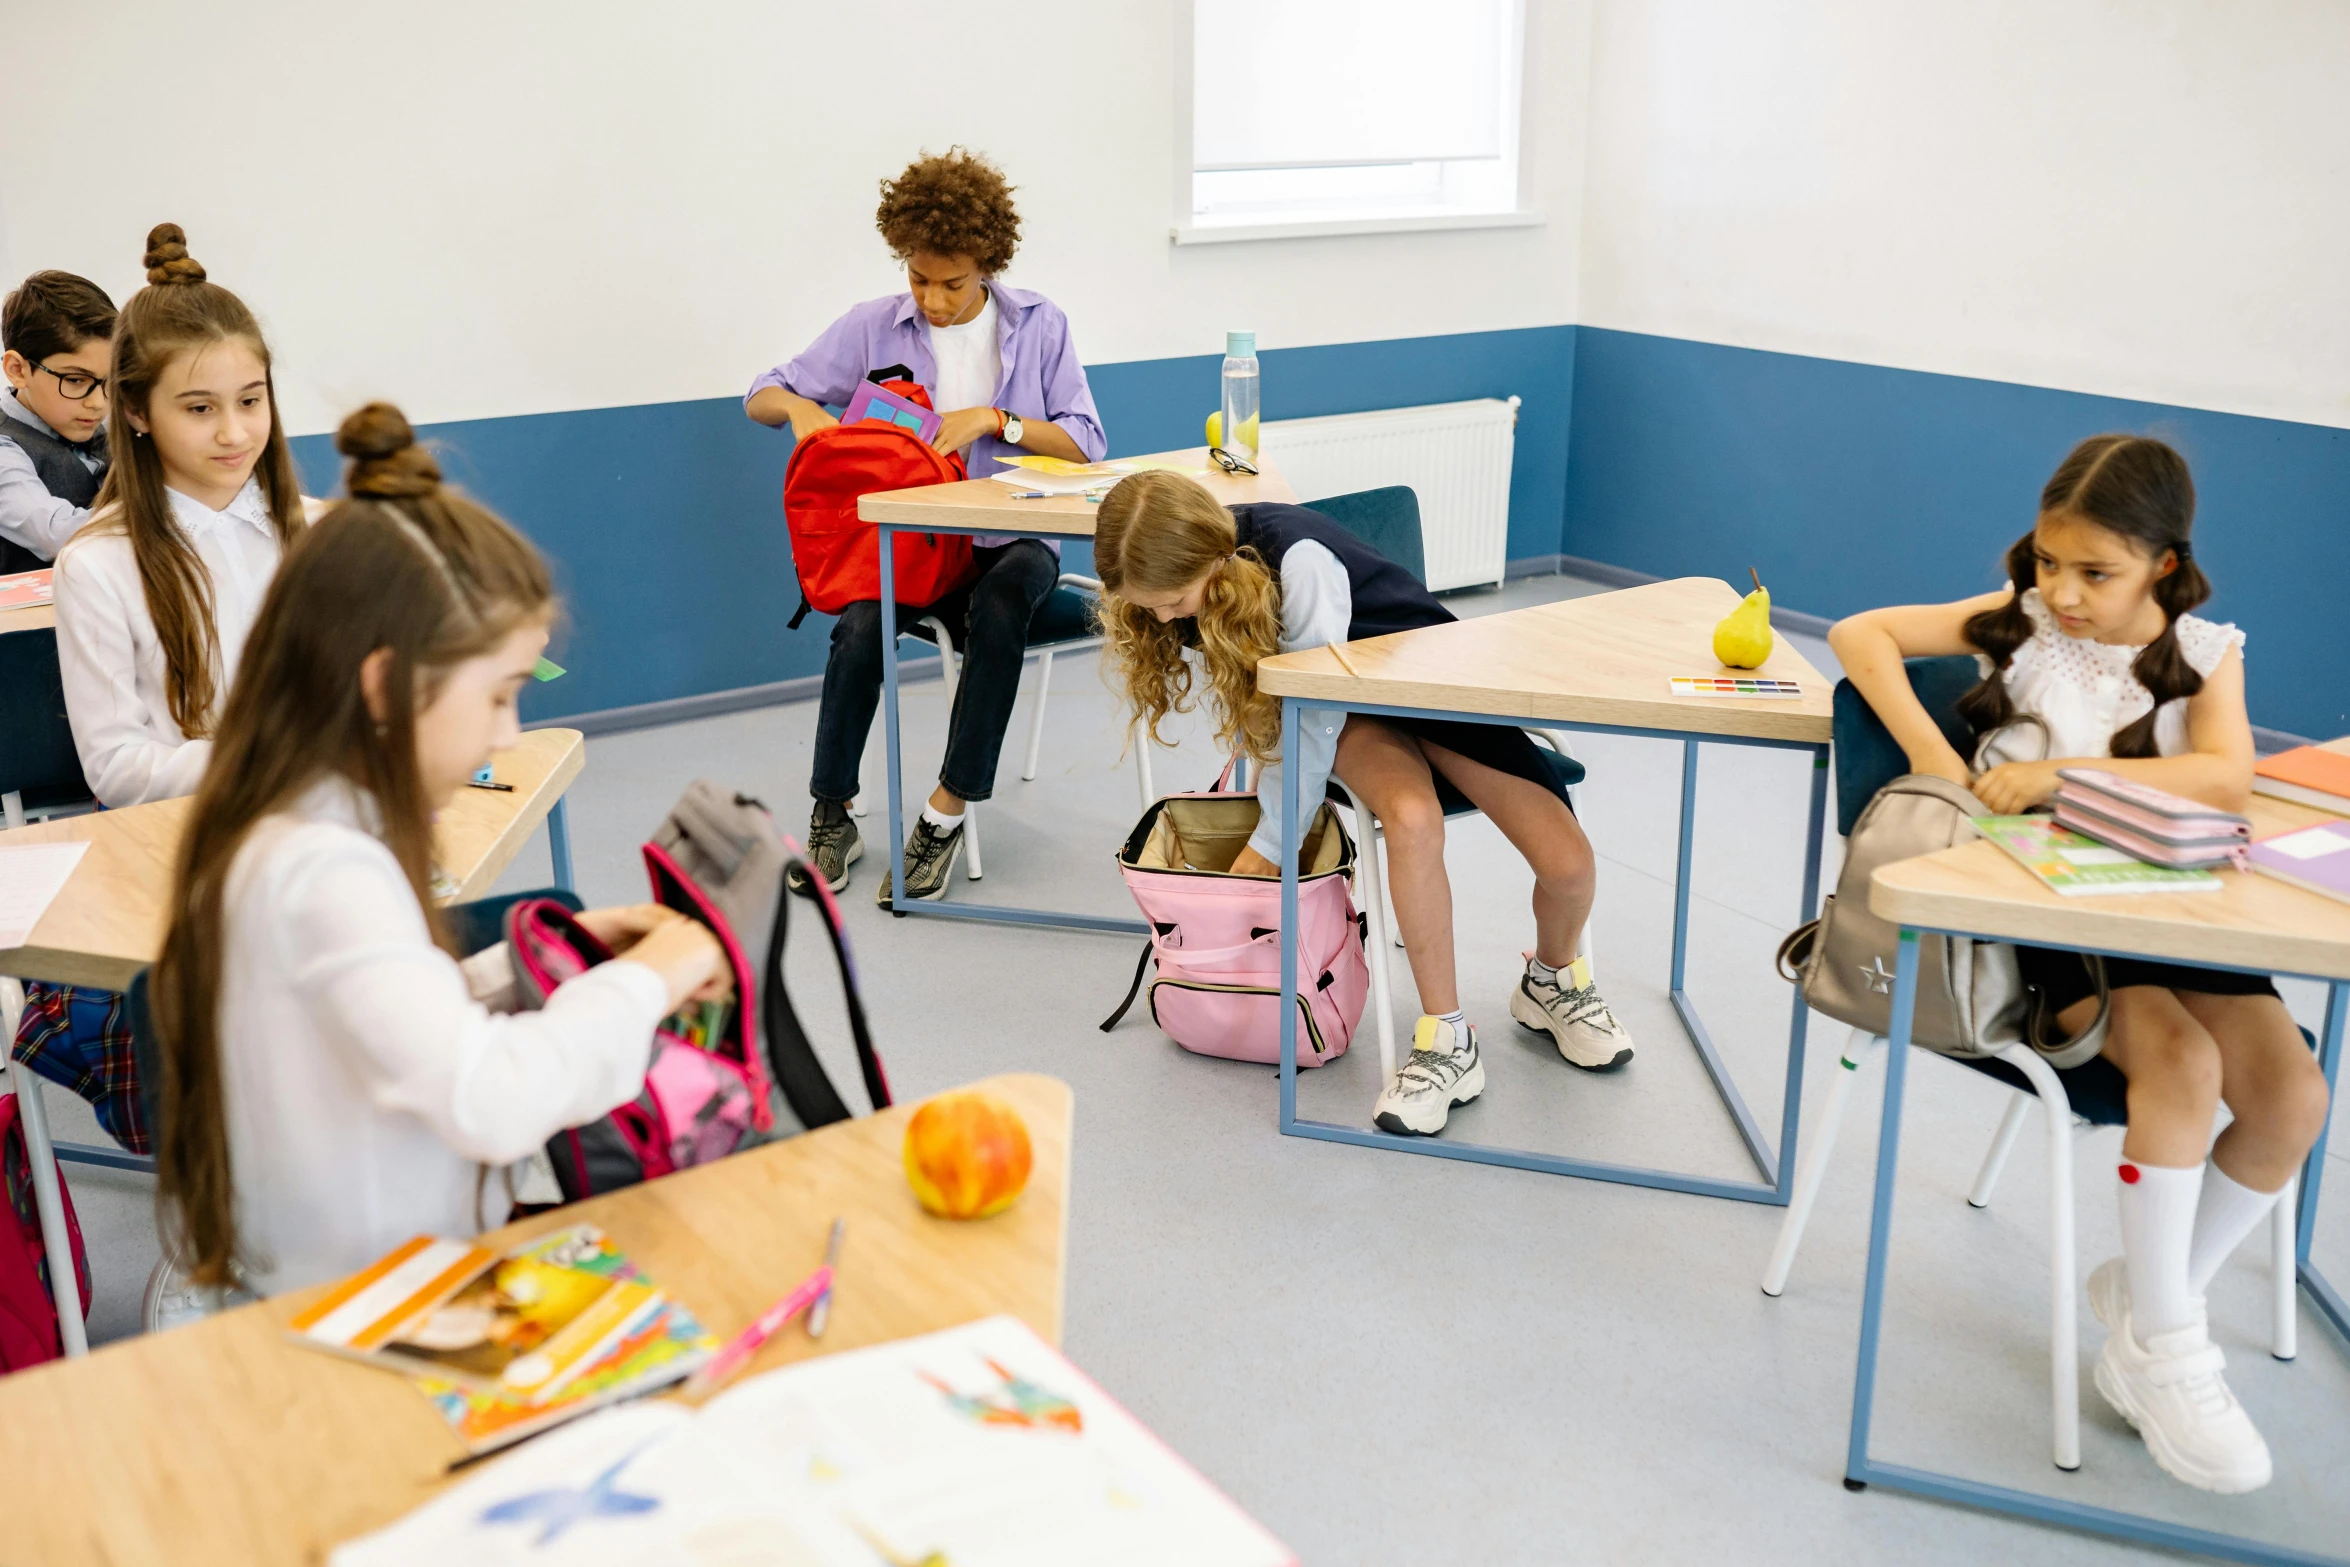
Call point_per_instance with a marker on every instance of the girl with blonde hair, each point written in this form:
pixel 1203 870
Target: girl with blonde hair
pixel 1180 571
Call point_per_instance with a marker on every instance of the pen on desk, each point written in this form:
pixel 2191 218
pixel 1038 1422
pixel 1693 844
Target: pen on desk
pixel 821 1313
pixel 747 1343
pixel 477 783
pixel 1339 654
pixel 1028 495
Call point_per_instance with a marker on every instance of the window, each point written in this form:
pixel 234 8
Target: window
pixel 1352 116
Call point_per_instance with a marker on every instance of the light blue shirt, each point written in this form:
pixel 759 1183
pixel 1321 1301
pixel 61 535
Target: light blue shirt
pixel 1317 608
pixel 29 515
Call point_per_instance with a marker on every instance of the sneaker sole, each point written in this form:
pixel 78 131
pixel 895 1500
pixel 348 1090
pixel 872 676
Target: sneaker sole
pixel 2109 1386
pixel 1532 1017
pixel 1469 1087
pixel 840 882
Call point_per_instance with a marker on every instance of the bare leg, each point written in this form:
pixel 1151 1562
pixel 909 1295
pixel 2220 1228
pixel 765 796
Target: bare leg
pixel 2271 1081
pixel 2173 1066
pixel 1539 826
pixel 1387 770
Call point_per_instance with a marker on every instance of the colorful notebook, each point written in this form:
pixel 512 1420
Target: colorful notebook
pixel 27 589
pixel 508 1343
pixel 2316 859
pixel 873 403
pixel 2306 775
pixel 977 1447
pixel 2081 867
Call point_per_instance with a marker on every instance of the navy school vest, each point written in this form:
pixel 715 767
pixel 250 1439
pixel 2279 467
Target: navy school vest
pixel 1386 597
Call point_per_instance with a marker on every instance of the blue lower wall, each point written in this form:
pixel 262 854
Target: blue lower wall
pixel 1849 485
pixel 1853 485
pixel 665 528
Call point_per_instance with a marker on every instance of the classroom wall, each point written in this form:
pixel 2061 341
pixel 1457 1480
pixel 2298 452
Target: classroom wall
pixel 566 236
pixel 1857 273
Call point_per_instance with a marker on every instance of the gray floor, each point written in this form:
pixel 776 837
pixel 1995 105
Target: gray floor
pixel 1395 1359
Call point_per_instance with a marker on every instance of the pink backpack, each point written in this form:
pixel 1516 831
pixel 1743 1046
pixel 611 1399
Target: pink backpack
pixel 28 1309
pixel 1216 937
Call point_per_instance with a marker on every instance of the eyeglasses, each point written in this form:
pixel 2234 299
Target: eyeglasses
pixel 75 386
pixel 1229 463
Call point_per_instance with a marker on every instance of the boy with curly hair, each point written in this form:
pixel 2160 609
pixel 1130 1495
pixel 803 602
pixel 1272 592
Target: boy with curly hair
pixel 1004 376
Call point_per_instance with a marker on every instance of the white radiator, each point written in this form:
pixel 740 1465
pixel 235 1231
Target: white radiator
pixel 1455 456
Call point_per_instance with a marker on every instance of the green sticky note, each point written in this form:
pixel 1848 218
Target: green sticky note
pixel 547 669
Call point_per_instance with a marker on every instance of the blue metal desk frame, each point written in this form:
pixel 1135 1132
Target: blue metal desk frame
pixel 1777 1169
pixel 1040 525
pixel 1861 1471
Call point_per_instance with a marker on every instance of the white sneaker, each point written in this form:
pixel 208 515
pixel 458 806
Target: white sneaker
pixel 1571 1012
pixel 1444 1070
pixel 2171 1389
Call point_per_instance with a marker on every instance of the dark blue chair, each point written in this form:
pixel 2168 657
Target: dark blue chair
pixel 39 768
pixel 1866 759
pixel 1388 520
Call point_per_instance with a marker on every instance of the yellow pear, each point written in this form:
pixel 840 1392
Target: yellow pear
pixel 1743 639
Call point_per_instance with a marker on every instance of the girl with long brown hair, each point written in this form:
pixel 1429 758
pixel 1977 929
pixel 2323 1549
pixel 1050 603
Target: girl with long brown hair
pixel 156 593
pixel 2090 657
pixel 1181 572
pixel 334 1082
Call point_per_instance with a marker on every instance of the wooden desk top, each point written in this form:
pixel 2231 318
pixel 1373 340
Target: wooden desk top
pixel 34 617
pixel 2253 921
pixel 988 507
pixel 107 924
pixel 225 1444
pixel 1604 659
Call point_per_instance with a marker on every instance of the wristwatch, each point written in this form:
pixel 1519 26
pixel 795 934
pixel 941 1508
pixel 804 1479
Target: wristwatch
pixel 1011 428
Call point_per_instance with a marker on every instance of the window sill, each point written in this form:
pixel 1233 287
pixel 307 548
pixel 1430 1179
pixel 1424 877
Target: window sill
pixel 1315 228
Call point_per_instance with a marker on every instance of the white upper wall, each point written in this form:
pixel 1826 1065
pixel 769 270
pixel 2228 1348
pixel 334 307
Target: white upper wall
pixel 498 208
pixel 2142 198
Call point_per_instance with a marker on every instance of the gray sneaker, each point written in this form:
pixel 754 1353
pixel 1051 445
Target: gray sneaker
pixel 833 846
pixel 930 860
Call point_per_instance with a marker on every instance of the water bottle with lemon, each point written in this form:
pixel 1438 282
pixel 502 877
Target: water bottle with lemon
pixel 1238 416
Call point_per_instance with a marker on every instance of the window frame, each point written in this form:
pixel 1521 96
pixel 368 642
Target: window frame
pixel 1188 230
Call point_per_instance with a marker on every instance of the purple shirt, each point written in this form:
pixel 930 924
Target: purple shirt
pixel 1041 377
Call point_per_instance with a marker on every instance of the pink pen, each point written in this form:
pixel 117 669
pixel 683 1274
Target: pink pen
pixel 737 1354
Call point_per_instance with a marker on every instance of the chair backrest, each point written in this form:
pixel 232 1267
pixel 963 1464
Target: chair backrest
pixel 1867 758
pixel 37 758
pixel 1386 519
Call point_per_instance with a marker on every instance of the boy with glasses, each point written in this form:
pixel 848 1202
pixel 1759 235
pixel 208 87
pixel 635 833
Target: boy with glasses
pixel 58 332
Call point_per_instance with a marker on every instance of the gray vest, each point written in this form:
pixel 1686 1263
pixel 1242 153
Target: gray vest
pixel 59 464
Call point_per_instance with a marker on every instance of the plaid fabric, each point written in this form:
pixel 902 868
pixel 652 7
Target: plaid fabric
pixel 80 1039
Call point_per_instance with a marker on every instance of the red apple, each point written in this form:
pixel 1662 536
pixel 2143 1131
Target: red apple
pixel 967 1155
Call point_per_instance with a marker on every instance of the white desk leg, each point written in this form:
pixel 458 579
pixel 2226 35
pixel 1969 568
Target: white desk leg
pixel 1044 689
pixel 2064 1352
pixel 2284 1274
pixel 56 1240
pixel 1811 1168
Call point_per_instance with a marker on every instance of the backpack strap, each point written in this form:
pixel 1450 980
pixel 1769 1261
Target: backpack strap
pixel 889 373
pixel 801 1077
pixel 799 614
pixel 1132 990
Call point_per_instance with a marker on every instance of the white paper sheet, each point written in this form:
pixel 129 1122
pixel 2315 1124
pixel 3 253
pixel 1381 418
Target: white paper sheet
pixel 31 876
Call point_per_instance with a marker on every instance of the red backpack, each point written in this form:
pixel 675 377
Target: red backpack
pixel 28 1311
pixel 832 550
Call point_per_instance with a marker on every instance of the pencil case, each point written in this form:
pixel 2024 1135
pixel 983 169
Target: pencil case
pixel 2147 823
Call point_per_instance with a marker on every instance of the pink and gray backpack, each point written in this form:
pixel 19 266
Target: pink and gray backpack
pixel 717 859
pixel 1216 937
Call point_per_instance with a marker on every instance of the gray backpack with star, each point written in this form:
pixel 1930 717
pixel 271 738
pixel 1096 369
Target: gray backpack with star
pixel 1972 1000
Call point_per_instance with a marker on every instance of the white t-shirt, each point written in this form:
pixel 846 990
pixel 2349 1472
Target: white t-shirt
pixel 970 362
pixel 366 1085
pixel 2084 691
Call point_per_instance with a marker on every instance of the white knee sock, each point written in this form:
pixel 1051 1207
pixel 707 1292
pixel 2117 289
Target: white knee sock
pixel 2226 1214
pixel 2158 1221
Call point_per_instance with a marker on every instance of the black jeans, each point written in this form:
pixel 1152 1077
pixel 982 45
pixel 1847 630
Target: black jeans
pixel 989 620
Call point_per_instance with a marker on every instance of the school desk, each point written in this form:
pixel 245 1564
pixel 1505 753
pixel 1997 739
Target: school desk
pixel 32 617
pixel 225 1444
pixel 107 922
pixel 1602 663
pixel 986 506
pixel 2253 924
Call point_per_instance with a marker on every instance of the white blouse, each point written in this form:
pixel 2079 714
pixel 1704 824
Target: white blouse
pixel 2084 691
pixel 366 1086
pixel 115 691
pixel 1317 608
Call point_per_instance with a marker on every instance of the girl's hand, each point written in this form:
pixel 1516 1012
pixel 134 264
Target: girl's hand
pixel 623 926
pixel 2012 788
pixel 1250 863
pixel 688 959
pixel 961 428
pixel 807 418
pixel 1947 764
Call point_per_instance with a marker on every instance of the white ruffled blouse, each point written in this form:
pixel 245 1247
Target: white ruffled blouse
pixel 2084 691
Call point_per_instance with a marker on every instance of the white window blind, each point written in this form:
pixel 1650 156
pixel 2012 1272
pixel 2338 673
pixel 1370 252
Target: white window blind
pixel 1284 84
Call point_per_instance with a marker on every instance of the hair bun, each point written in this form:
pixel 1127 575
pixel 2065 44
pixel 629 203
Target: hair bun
pixel 386 462
pixel 168 260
